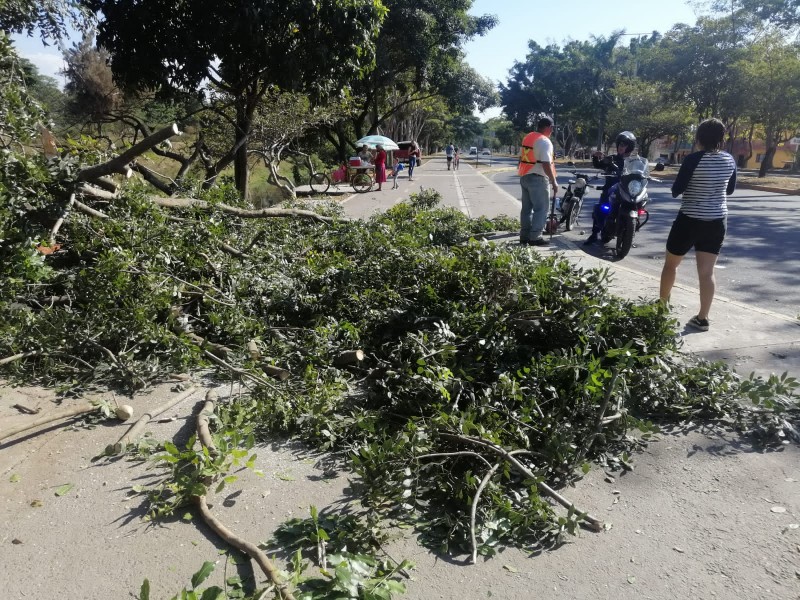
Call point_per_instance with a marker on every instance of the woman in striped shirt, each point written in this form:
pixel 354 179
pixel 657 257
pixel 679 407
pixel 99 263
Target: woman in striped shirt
pixel 705 179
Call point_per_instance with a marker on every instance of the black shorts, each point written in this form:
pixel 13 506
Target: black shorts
pixel 688 232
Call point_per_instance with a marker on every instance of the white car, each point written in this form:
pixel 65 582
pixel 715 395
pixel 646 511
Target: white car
pixel 486 152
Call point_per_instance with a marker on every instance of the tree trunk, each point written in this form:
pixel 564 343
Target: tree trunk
pixel 241 173
pixel 766 162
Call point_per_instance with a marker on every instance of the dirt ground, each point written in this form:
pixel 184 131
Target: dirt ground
pixel 702 515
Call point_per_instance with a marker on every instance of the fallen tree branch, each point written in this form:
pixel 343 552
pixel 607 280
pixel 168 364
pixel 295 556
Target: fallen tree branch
pixel 348 357
pixel 600 416
pixel 248 548
pixel 474 510
pixel 58 415
pixel 89 190
pixel 16 357
pixel 593 522
pixel 120 163
pixel 237 370
pixel 244 213
pixel 217 350
pixel 106 183
pixel 276 372
pixel 203 433
pixel 136 429
pixel 61 219
pixel 80 206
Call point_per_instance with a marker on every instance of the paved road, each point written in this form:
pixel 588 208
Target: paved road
pixel 759 264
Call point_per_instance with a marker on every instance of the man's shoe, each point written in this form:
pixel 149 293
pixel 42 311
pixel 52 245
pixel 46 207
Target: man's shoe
pixel 592 239
pixel 697 323
pixel 539 242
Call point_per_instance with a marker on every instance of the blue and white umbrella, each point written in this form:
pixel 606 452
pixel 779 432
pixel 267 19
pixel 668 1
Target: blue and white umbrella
pixel 374 140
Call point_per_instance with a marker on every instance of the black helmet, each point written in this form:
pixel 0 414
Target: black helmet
pixel 627 139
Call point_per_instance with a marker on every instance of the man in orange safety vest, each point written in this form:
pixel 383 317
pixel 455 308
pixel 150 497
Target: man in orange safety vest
pixel 537 178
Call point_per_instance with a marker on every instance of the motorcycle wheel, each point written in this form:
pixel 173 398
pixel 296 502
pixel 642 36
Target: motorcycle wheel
pixel 574 211
pixel 627 226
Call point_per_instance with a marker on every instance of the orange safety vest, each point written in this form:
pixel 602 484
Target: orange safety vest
pixel 526 158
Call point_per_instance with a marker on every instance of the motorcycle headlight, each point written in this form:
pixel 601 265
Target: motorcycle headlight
pixel 634 187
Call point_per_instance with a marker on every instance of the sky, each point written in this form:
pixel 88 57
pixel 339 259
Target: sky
pixel 494 54
pixel 559 21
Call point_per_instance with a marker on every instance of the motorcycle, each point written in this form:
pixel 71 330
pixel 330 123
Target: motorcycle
pixel 569 206
pixel 625 205
pixel 572 201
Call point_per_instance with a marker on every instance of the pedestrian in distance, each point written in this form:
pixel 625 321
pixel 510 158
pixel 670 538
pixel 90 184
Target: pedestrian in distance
pixel 537 178
pixel 455 158
pixel 413 159
pixel 705 180
pixel 380 167
pixel 365 154
pixel 396 168
pixel 448 152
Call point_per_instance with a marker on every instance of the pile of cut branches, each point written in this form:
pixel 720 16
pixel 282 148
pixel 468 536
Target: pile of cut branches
pixel 464 381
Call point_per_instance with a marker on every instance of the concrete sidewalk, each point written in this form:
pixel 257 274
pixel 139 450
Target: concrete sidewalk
pixel 746 337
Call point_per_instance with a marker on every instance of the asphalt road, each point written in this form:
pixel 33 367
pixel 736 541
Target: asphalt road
pixel 759 263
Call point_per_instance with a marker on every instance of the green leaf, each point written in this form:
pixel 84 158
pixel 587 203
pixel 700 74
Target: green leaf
pixel 202 574
pixel 64 489
pixel 144 592
pixel 212 593
pixel 15 478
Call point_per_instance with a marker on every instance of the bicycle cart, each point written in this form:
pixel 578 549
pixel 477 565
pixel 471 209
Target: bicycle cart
pixel 362 178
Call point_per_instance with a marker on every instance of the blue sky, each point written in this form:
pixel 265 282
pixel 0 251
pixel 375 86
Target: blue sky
pixel 519 21
pixel 558 21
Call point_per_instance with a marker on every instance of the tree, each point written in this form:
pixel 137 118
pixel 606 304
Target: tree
pixel 647 109
pixel 243 49
pixel 572 84
pixel 699 62
pixel 419 57
pixel 51 18
pixel 773 68
pixel 90 83
pixel 782 13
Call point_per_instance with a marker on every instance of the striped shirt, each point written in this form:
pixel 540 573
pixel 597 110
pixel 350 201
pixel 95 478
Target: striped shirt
pixel 705 179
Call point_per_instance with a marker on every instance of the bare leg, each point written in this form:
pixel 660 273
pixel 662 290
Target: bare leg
pixel 668 274
pixel 705 272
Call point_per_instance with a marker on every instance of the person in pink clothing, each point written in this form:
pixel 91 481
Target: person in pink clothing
pixel 380 167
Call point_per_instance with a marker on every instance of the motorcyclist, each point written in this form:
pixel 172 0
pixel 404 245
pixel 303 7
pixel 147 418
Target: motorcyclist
pixel 612 167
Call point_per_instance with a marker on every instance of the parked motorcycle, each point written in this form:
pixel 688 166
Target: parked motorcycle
pixel 572 201
pixel 569 206
pixel 625 205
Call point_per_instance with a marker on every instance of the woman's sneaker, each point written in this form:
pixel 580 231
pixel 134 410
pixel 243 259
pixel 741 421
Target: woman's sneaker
pixel 698 323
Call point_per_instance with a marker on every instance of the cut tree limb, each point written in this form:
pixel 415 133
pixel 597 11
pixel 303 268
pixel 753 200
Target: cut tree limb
pixel 276 372
pixel 349 357
pixel 203 432
pixel 593 522
pixel 87 210
pixel 136 429
pixel 474 509
pixel 66 413
pixel 96 192
pixel 61 218
pixel 244 213
pixel 248 548
pixel 216 525
pixel 120 163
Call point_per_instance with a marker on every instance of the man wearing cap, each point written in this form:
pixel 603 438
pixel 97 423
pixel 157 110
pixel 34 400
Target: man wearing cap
pixel 537 178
